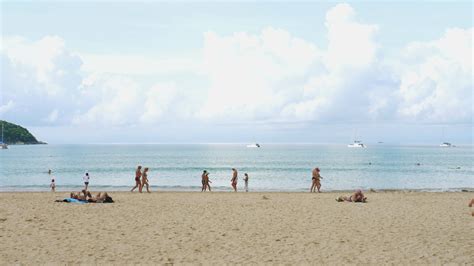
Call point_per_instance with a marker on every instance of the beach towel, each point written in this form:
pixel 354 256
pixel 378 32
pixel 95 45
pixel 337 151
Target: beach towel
pixel 71 200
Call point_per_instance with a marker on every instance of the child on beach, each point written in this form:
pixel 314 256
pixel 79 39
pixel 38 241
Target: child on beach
pixel 52 186
pixel 246 180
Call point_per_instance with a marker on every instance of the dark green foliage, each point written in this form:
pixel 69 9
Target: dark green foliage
pixel 15 134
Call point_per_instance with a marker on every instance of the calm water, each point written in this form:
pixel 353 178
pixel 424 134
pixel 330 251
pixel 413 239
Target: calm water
pixel 271 168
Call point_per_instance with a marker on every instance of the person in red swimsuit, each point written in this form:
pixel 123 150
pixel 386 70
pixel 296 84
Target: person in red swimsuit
pixel 138 174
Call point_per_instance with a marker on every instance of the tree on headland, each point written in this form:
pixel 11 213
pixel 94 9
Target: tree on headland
pixel 15 134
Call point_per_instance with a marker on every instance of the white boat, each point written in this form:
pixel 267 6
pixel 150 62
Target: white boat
pixel 253 145
pixel 357 144
pixel 3 145
pixel 446 145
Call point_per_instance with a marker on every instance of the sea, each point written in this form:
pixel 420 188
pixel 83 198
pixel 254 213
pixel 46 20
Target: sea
pixel 273 167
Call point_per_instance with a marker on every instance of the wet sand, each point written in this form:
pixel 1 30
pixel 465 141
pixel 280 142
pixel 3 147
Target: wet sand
pixel 284 228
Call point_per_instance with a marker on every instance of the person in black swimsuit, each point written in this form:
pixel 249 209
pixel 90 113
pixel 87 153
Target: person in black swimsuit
pixel 316 180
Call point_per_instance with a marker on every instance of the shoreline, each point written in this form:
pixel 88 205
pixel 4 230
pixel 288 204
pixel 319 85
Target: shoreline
pixel 158 189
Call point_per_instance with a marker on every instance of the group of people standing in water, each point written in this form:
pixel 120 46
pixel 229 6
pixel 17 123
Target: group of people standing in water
pixel 233 181
pixel 141 180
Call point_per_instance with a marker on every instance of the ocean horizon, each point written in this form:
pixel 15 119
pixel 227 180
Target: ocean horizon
pixel 273 167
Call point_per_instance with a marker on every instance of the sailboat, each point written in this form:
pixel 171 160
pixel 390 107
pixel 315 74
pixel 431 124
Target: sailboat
pixel 3 145
pixel 253 145
pixel 356 143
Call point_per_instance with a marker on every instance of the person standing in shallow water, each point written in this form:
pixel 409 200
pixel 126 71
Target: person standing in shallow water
pixel 246 180
pixel 316 180
pixel 234 179
pixel 53 185
pixel 86 181
pixel 138 174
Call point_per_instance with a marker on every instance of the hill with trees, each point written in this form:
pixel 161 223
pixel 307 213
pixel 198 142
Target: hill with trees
pixel 15 134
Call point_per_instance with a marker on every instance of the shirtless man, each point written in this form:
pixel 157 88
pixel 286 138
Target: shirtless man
pixel 204 180
pixel 234 179
pixel 138 174
pixel 316 180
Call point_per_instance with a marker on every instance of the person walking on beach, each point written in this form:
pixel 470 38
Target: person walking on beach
pixel 205 181
pixel 246 180
pixel 53 185
pixel 144 181
pixel 86 181
pixel 316 180
pixel 138 174
pixel 234 179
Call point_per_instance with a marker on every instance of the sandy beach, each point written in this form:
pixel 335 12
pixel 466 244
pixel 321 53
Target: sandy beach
pixel 238 228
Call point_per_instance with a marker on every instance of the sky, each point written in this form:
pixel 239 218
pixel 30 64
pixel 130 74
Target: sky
pixel 238 72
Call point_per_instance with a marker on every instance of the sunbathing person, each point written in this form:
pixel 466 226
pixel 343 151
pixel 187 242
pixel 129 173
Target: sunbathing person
pixel 82 195
pixel 358 196
pixel 101 197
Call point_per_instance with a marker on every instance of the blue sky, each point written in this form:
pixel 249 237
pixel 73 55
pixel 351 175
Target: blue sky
pixel 238 72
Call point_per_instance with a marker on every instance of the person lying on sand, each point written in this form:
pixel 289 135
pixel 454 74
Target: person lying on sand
pixel 86 196
pixel 358 196
pixel 101 197
pixel 82 195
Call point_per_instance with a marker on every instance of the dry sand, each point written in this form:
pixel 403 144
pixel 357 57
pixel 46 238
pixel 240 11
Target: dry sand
pixel 289 228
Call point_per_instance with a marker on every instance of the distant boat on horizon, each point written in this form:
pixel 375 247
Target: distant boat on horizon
pixel 446 145
pixel 357 144
pixel 253 145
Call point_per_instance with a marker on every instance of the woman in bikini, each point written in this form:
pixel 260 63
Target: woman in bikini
pixel 316 180
pixel 138 174
pixel 234 179
pixel 145 180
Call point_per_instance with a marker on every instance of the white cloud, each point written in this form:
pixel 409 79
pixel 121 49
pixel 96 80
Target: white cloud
pixel 6 107
pixel 268 76
pixel 136 64
pixel 251 75
pixel 436 82
pixel 350 43
pixel 53 116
